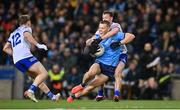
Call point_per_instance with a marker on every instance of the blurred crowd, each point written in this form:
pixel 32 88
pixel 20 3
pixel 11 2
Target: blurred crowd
pixel 65 25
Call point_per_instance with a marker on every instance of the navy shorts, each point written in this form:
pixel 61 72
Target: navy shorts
pixel 123 57
pixel 24 64
pixel 107 70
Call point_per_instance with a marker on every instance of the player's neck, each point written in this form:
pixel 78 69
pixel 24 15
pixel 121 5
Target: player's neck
pixel 104 33
pixel 24 25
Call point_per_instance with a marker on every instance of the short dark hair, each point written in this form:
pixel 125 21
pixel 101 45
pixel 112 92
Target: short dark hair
pixel 109 13
pixel 105 22
pixel 23 19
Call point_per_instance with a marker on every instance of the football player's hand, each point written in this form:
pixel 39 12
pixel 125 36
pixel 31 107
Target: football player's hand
pixel 96 41
pixel 42 46
pixel 115 45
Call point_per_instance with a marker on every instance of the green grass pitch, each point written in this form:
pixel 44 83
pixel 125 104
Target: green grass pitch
pixel 89 104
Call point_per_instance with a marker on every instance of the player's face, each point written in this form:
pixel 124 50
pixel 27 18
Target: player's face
pixel 107 17
pixel 103 29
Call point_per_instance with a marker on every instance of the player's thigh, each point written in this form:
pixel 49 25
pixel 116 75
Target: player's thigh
pixel 119 69
pixel 94 69
pixel 99 80
pixel 37 68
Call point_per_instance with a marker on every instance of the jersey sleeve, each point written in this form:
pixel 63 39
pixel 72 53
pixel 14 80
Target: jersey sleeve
pixel 27 29
pixel 116 25
pixel 9 39
pixel 121 36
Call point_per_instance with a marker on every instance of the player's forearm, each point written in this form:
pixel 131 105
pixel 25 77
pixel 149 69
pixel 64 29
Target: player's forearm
pixel 30 38
pixel 110 33
pixel 128 38
pixel 7 48
pixel 88 42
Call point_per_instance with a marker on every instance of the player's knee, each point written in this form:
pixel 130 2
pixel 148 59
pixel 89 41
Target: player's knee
pixel 117 75
pixel 91 73
pixel 43 73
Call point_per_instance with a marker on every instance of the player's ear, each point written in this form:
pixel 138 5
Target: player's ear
pixel 111 18
pixel 108 29
pixel 29 23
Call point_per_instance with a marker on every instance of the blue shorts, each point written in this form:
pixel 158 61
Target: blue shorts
pixel 107 70
pixel 123 57
pixel 24 64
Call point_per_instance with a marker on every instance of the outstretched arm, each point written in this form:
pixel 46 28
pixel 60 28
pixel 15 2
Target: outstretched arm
pixel 7 48
pixel 110 33
pixel 128 37
pixel 28 36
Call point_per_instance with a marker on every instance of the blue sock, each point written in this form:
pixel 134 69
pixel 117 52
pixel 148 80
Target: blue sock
pixel 33 88
pixel 50 94
pixel 117 92
pixel 100 92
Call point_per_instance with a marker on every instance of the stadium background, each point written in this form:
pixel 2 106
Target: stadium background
pixel 64 26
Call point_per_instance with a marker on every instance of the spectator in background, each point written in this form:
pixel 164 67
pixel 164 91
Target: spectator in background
pixel 68 59
pixel 130 80
pixel 147 82
pixel 164 82
pixel 2 54
pixel 73 78
pixel 56 75
pixel 165 41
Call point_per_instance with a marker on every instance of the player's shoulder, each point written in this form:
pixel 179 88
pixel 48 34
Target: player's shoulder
pixel 115 24
pixel 26 29
pixel 120 33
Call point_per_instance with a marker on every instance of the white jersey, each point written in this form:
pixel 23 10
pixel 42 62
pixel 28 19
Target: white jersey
pixel 21 47
pixel 117 25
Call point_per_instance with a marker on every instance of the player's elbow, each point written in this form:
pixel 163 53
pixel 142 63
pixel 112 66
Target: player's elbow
pixel 5 49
